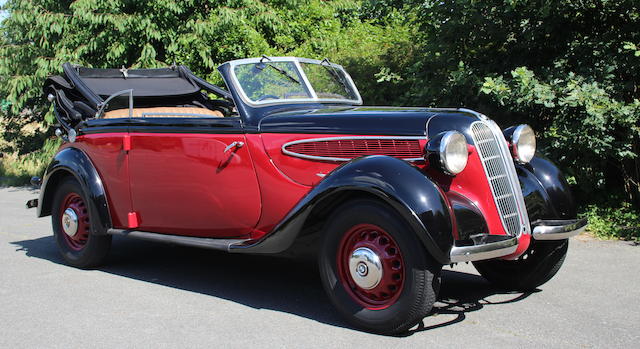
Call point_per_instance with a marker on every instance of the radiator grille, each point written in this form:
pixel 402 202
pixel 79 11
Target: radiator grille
pixel 345 149
pixel 498 176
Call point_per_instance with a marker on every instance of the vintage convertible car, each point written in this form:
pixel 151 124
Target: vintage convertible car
pixel 286 161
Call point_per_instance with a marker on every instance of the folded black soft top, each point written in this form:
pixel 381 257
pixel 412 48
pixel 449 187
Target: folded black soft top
pixel 144 82
pixel 96 85
pixel 81 93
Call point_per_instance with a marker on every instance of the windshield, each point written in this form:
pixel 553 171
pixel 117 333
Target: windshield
pixel 270 80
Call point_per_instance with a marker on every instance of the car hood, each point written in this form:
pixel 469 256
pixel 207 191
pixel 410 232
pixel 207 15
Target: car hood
pixel 400 121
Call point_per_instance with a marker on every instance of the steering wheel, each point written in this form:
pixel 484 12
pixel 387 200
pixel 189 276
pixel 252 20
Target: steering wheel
pixel 268 97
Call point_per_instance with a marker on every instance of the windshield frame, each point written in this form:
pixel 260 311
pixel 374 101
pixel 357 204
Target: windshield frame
pixel 296 61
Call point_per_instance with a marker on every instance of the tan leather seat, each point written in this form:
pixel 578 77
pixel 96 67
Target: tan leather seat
pixel 164 112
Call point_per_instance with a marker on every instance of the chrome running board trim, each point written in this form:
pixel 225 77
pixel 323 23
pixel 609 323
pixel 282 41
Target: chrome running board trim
pixel 213 244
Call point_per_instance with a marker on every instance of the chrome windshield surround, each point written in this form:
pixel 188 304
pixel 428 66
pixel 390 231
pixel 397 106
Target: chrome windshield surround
pixel 305 80
pixel 327 158
pixel 501 173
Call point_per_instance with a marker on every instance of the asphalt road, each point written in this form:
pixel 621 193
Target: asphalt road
pixel 154 295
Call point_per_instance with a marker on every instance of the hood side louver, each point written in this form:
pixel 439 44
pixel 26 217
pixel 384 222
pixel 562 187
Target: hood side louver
pixel 348 148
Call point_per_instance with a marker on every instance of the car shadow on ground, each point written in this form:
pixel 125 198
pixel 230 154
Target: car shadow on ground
pixel 265 282
pixel 462 293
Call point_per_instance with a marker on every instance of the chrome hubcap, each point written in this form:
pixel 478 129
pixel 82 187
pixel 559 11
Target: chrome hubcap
pixel 365 268
pixel 70 222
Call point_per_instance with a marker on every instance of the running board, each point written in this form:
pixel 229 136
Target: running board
pixel 213 244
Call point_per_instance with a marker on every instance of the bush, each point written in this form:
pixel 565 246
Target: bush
pixel 18 169
pixel 621 221
pixel 569 68
pixel 592 135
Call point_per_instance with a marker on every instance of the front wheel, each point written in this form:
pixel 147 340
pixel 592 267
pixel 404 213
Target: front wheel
pixel 375 270
pixel 540 262
pixel 71 220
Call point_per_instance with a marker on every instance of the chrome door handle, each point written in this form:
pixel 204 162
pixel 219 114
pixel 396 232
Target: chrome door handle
pixel 234 145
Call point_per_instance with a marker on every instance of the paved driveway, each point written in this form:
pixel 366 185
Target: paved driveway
pixel 153 295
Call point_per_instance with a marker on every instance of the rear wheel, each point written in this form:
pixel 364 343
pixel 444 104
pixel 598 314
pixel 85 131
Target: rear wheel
pixel 71 220
pixel 375 270
pixel 537 265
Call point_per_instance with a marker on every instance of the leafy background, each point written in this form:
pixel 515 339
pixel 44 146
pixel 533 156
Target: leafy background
pixel 570 68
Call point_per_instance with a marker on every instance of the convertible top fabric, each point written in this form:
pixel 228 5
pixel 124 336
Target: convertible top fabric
pixel 142 87
pixel 85 93
pixel 144 82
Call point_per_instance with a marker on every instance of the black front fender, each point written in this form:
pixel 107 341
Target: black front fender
pixel 546 192
pixel 74 162
pixel 402 186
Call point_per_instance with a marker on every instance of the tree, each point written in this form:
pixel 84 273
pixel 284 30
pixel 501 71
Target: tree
pixel 570 68
pixel 39 35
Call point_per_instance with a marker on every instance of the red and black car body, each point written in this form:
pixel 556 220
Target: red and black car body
pixel 271 174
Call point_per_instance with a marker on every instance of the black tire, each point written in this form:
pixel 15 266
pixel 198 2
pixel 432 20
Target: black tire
pixel 414 299
pixel 537 265
pixel 87 251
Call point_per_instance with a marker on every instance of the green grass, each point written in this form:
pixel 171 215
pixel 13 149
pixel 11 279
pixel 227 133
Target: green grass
pixel 621 221
pixel 18 169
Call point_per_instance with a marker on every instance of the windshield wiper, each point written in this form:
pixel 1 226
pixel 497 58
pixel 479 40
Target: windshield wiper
pixel 263 65
pixel 336 76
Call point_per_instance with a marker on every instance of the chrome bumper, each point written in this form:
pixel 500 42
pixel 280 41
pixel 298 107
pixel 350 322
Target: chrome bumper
pixel 558 229
pixel 497 246
pixel 494 246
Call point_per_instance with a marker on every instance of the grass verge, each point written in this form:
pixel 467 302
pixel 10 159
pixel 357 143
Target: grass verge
pixel 620 221
pixel 18 169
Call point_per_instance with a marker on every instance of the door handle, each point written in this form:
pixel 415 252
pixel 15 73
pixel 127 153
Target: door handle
pixel 234 145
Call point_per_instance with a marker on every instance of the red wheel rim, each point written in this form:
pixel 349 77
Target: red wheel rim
pixel 79 239
pixel 387 291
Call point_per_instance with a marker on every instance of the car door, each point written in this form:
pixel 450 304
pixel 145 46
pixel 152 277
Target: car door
pixel 102 141
pixel 193 177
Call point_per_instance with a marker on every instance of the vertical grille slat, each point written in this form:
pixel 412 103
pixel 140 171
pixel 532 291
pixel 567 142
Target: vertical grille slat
pixel 495 168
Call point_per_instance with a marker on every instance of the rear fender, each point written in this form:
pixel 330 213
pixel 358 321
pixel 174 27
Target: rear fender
pixel 74 162
pixel 400 185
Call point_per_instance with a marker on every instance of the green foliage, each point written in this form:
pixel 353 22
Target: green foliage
pixel 39 35
pixel 18 169
pixel 612 222
pixel 581 115
pixel 569 68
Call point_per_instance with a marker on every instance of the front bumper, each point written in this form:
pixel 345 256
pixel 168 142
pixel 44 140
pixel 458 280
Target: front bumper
pixel 558 229
pixel 495 246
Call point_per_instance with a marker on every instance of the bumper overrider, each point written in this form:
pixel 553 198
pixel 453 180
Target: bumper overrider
pixel 494 246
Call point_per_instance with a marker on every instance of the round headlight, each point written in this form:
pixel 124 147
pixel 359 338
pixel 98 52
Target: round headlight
pixel 523 143
pixel 453 152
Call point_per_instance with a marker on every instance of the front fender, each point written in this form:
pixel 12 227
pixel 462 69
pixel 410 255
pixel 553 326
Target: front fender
pixel 71 161
pixel 546 192
pixel 402 186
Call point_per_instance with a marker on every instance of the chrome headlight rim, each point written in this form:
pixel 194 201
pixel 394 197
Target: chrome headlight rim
pixel 446 142
pixel 520 134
